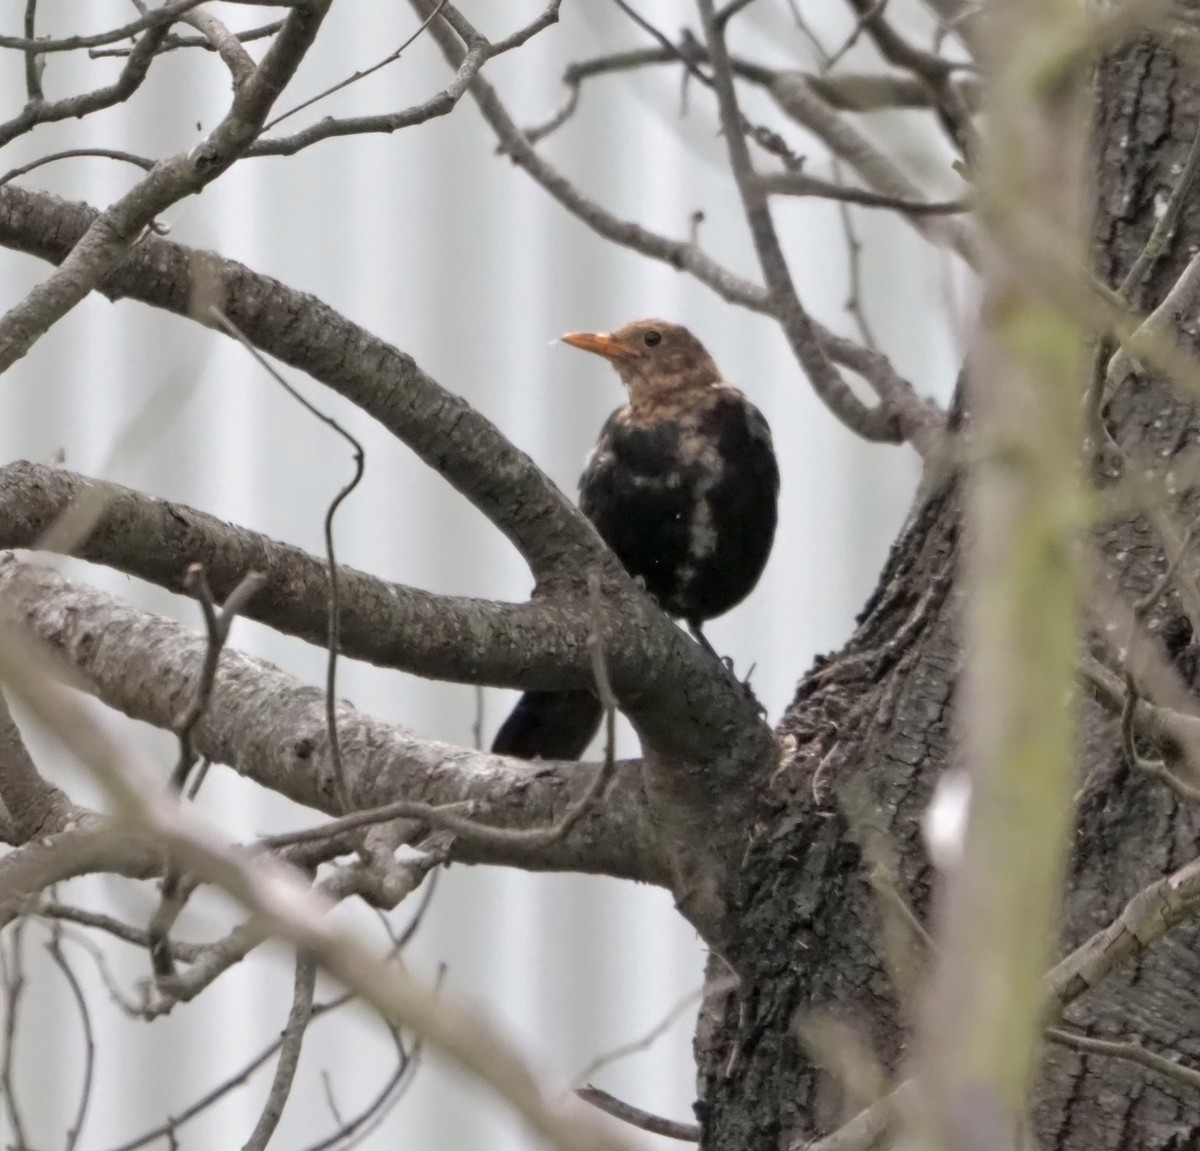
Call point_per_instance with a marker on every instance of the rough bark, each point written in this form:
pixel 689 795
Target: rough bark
pixel 872 731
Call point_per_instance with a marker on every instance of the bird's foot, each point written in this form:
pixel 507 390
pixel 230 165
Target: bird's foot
pixel 726 662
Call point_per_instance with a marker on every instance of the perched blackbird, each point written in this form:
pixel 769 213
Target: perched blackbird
pixel 682 485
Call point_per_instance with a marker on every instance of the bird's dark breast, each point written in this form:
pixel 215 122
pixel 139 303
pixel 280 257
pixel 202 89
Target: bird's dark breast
pixel 687 503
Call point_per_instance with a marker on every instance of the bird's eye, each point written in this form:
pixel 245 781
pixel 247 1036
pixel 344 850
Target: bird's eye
pixel 652 338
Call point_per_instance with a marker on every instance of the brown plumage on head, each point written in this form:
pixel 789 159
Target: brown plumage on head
pixel 662 365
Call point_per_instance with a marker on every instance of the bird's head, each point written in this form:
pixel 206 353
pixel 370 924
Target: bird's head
pixel 659 363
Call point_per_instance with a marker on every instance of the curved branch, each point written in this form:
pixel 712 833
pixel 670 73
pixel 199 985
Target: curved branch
pixel 532 646
pixel 271 728
pixel 444 430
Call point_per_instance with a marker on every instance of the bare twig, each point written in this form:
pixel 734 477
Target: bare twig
pixel 286 908
pixel 680 254
pixel 802 184
pixel 350 1132
pixel 933 71
pixel 187 952
pixel 900 415
pixel 802 99
pixel 75 153
pixel 89 1039
pixel 173 42
pixel 636 1117
pixel 390 58
pixel 1130 1050
pixel 33 58
pixel 73 107
pixel 12 983
pixel 156 18
pixel 480 51
pixel 874 8
pixel 217 626
pixel 642 1042
pixel 167 15
pixel 289 1054
pixel 186 173
pixel 333 639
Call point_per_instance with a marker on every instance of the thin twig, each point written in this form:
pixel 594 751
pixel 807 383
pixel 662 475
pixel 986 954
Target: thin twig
pixel 802 184
pixel 1130 1050
pixel 673 1015
pixel 74 153
pixel 860 26
pixel 73 107
pixel 351 1131
pixel 173 42
pixel 12 979
pixel 127 933
pixel 934 71
pixel 391 58
pixel 89 1039
pixel 636 1117
pixel 167 14
pixel 899 416
pixel 33 58
pixel 855 304
pixel 335 614
pixel 766 138
pixel 217 625
pixel 172 1125
pixel 291 1040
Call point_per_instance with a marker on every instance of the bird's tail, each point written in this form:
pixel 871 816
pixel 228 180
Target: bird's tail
pixel 550 725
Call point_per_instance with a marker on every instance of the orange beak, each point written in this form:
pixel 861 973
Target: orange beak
pixel 602 344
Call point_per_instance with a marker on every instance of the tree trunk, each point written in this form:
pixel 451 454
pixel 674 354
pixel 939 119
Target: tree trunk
pixel 837 841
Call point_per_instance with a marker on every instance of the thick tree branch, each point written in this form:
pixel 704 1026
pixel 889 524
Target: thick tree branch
pixel 444 431
pixel 443 637
pixel 283 904
pixel 272 729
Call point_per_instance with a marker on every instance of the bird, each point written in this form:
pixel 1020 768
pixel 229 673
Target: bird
pixel 683 486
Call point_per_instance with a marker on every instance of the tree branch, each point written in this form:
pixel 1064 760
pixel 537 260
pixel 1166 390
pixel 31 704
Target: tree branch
pixel 900 415
pixel 803 103
pixel 284 905
pixel 272 729
pixel 110 235
pixel 392 625
pixel 443 430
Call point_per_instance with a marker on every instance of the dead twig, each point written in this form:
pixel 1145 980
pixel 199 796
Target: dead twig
pixel 335 615
pixel 291 1040
pixel 89 1039
pixel 636 1117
